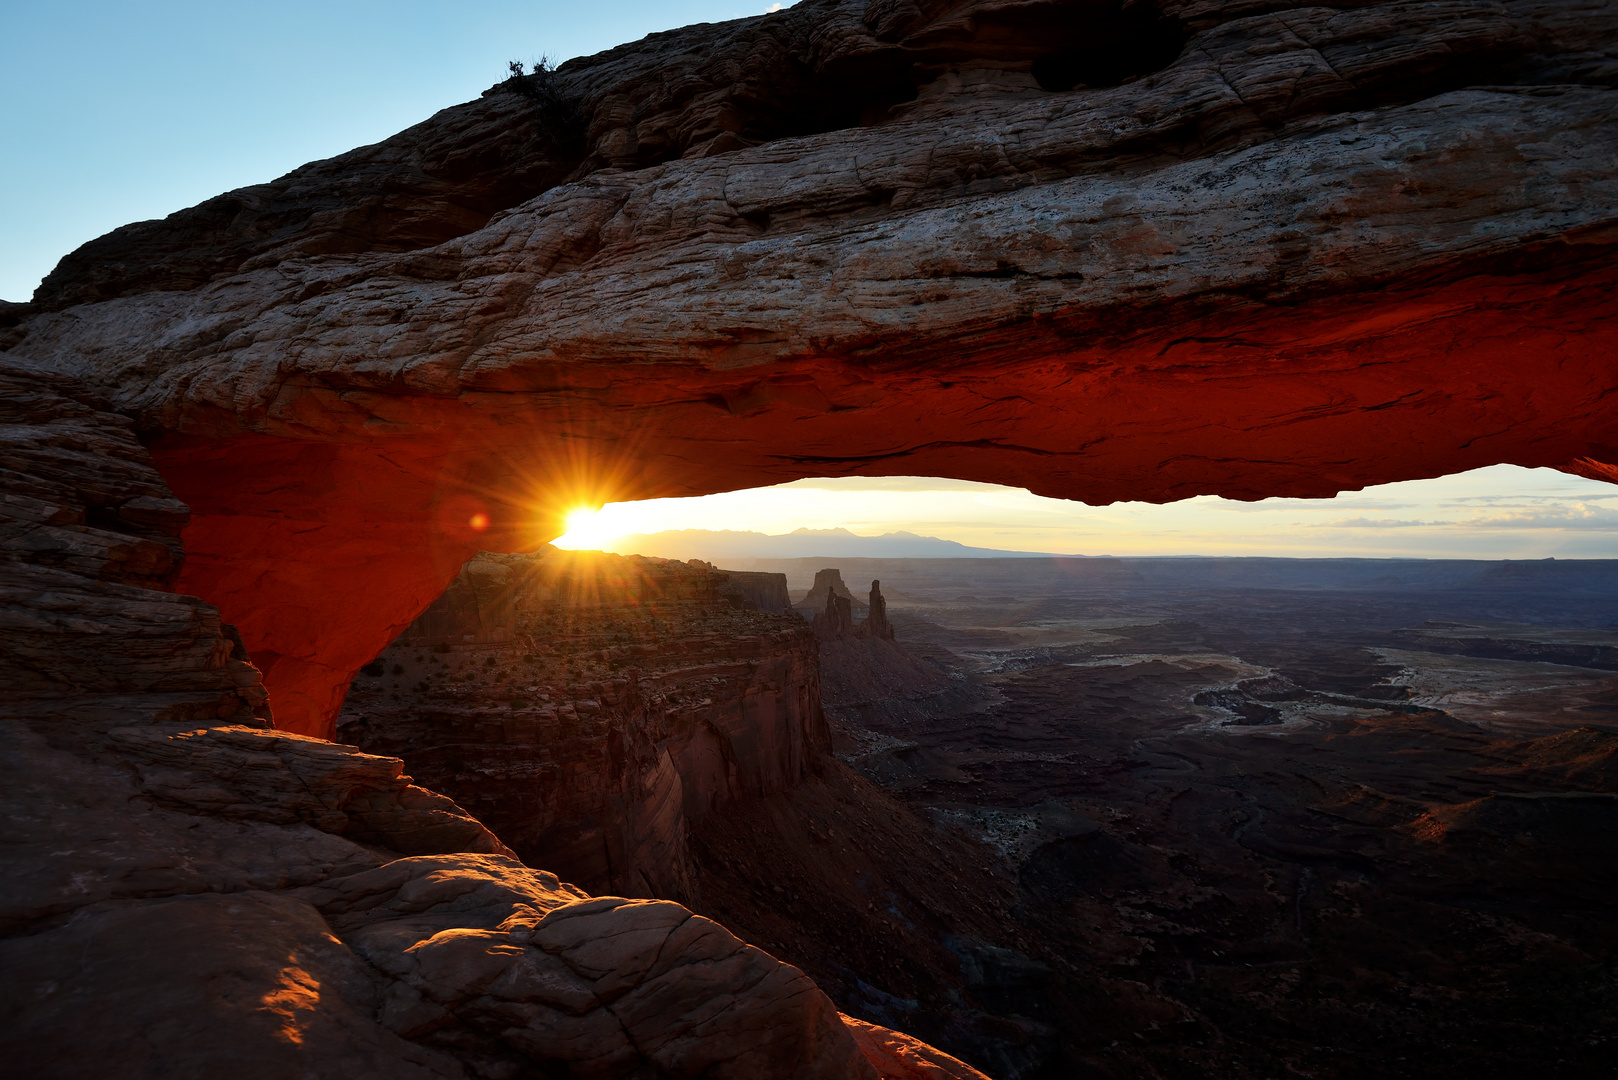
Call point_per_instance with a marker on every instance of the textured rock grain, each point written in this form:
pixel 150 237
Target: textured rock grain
pixel 899 1057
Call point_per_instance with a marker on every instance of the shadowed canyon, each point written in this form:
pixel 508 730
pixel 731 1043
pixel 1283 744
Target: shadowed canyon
pixel 1115 817
pixel 319 762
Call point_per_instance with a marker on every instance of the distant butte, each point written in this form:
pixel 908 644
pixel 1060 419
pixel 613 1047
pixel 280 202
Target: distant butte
pixel 1103 252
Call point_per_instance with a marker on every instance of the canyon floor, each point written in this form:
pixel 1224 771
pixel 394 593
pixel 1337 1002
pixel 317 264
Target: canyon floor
pixel 1185 818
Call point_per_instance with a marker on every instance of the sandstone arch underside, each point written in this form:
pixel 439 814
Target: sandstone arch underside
pixel 1324 247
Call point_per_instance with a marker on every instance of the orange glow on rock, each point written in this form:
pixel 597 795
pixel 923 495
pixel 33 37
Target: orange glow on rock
pixel 321 550
pixel 293 1001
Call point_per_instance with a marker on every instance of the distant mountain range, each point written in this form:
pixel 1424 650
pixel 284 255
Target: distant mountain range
pixel 801 544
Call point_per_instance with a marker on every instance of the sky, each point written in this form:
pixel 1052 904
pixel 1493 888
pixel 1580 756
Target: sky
pixel 1502 512
pixel 120 112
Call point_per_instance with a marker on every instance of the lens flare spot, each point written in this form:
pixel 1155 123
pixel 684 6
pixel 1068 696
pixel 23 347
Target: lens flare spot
pixel 479 522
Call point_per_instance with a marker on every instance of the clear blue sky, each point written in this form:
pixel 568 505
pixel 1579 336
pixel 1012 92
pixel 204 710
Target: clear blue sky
pixel 120 112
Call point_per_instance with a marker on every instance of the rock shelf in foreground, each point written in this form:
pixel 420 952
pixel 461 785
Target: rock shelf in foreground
pixel 188 891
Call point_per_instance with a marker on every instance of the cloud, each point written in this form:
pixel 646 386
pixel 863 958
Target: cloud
pixel 1580 516
pixel 1576 516
pixel 1368 523
pixel 1499 512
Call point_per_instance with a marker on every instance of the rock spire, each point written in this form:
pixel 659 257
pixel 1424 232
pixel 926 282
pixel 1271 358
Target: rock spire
pixel 876 624
pixel 835 619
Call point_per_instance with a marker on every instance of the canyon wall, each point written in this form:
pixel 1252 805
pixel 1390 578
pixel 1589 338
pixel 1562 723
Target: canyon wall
pixel 633 729
pixel 621 701
pixel 1181 249
pixel 756 591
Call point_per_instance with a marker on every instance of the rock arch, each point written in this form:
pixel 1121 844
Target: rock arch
pixel 1323 248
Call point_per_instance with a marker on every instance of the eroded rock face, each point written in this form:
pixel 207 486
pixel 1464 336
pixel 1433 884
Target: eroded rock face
pixel 1194 248
pixel 899 1057
pixel 185 891
pixel 622 702
pixel 1259 251
pixel 627 737
pixel 89 546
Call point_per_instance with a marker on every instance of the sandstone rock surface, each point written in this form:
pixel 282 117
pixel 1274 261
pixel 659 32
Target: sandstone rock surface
pixel 899 1057
pixel 89 544
pixel 876 624
pixel 1202 247
pixel 836 621
pixel 1185 248
pixel 752 590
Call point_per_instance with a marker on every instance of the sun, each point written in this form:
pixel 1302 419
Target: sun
pixel 581 520
pixel 587 529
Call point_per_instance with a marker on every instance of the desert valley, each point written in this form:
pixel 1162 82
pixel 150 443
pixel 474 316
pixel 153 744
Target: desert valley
pixel 1176 817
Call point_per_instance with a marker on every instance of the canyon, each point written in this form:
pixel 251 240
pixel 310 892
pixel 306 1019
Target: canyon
pixel 1094 817
pixel 1100 251
pixel 625 723
pixel 1256 816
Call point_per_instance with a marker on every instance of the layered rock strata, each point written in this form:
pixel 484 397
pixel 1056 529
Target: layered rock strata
pixel 1180 249
pixel 89 547
pixel 188 892
pixel 621 702
pixel 1190 248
